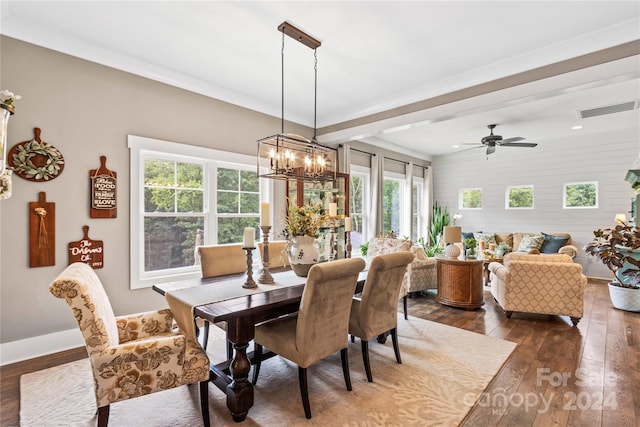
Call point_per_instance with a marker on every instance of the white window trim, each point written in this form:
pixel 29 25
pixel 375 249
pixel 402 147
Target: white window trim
pixel 564 195
pixel 422 217
pixel 140 146
pixel 506 197
pixel 462 190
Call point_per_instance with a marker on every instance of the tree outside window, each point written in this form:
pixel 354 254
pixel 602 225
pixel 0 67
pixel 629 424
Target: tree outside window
pixel 520 197
pixel 391 205
pixel 580 195
pixel 470 198
pixel 238 203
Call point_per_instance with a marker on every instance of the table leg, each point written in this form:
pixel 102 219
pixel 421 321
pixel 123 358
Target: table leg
pixel 240 390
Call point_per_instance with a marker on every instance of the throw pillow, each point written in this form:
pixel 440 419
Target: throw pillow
pixel 552 244
pixel 488 238
pixel 466 235
pixel 529 243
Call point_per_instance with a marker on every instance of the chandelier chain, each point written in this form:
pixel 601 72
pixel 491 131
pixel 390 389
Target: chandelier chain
pixel 315 91
pixel 282 85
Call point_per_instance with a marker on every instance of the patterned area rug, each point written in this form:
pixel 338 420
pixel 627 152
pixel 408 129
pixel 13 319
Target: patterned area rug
pixel 443 373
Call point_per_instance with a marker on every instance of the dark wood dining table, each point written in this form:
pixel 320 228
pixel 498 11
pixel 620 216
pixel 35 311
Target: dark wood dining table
pixel 241 314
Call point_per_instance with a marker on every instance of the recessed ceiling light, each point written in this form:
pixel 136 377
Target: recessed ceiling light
pixel 455 146
pixel 576 127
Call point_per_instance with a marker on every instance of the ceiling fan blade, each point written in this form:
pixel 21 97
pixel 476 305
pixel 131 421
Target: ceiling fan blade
pixel 508 140
pixel 519 144
pixel 467 149
pixel 473 143
pixel 491 149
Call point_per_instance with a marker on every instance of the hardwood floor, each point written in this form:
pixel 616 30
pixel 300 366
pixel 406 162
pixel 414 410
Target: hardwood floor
pixel 557 376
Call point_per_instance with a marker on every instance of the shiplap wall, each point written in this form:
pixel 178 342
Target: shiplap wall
pixel 601 158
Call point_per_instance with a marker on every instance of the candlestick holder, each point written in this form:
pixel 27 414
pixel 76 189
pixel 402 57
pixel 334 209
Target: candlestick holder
pixel 347 239
pixel 332 238
pixel 266 277
pixel 249 283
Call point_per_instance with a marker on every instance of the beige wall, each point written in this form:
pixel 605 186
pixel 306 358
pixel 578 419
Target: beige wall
pixel 86 110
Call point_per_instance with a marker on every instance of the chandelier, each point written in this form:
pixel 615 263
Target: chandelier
pixel 286 155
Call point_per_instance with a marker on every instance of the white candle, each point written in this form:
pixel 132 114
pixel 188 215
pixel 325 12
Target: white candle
pixel 265 214
pixel 347 223
pixel 333 209
pixel 249 237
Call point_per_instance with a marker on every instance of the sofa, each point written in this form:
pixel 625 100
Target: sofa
pixel 421 272
pixel 529 283
pixel 534 243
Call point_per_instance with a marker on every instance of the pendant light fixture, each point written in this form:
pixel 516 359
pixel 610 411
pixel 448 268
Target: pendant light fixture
pixel 286 155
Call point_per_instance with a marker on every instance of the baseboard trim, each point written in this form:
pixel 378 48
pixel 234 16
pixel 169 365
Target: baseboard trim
pixel 42 345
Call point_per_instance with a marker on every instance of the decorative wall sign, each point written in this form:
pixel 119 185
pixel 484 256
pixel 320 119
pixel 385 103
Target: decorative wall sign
pixel 36 160
pixel 103 191
pixel 42 232
pixel 86 250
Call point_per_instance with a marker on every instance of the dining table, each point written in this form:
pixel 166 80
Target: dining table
pixel 224 299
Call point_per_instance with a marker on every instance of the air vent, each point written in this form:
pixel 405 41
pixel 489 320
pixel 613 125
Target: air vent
pixel 609 109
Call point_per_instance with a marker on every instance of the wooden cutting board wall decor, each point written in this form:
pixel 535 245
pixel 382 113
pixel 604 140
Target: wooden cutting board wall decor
pixel 103 184
pixel 86 250
pixel 36 160
pixel 42 232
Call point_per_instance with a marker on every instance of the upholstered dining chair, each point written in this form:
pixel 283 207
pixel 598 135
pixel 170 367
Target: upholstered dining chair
pixel 130 355
pixel 320 327
pixel 376 311
pixel 277 255
pixel 220 260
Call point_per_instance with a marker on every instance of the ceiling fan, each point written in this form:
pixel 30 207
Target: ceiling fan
pixel 491 141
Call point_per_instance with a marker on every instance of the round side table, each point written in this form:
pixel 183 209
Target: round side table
pixel 460 282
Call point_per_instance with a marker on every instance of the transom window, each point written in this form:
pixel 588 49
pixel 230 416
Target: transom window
pixel 519 197
pixel 578 195
pixel 470 198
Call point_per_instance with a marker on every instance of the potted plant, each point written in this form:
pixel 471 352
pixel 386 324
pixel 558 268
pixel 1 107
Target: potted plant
pixel 619 249
pixel 470 245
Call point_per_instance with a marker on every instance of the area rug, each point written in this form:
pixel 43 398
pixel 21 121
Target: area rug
pixel 444 370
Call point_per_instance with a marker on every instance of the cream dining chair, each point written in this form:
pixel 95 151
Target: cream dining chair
pixel 130 355
pixel 320 327
pixel 221 260
pixel 376 311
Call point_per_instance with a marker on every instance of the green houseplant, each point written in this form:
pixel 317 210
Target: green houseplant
pixel 618 249
pixel 439 220
pixel 470 244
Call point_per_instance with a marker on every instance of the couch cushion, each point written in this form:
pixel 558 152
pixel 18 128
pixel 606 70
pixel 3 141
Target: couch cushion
pixel 488 238
pixel 531 243
pixel 552 244
pixel 505 238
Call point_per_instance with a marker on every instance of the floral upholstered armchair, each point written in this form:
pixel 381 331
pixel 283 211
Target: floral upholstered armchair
pixel 421 272
pixel 549 284
pixel 130 355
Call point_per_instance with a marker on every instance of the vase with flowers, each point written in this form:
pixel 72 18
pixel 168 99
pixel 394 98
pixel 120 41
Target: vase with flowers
pixel 301 229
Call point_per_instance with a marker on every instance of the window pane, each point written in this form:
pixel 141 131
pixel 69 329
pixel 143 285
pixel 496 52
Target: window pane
pixel 231 230
pixel 520 197
pixel 159 200
pixel 159 173
pixel 190 200
pixel 249 181
pixel 391 206
pixel 227 202
pixel 190 175
pixel 249 203
pixel 228 179
pixel 170 242
pixel 581 195
pixel 471 198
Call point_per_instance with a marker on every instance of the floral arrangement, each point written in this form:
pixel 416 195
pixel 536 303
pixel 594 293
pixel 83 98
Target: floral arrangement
pixel 7 98
pixel 304 220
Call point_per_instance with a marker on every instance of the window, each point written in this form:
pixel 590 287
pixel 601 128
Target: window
pixel 172 188
pixel 417 217
pixel 470 198
pixel 519 197
pixel 358 205
pixel 578 195
pixel 392 203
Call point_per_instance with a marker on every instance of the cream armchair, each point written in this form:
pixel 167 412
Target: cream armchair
pixel 421 272
pixel 544 284
pixel 130 355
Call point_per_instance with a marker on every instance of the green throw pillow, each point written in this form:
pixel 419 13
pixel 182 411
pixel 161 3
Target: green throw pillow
pixel 529 243
pixel 552 244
